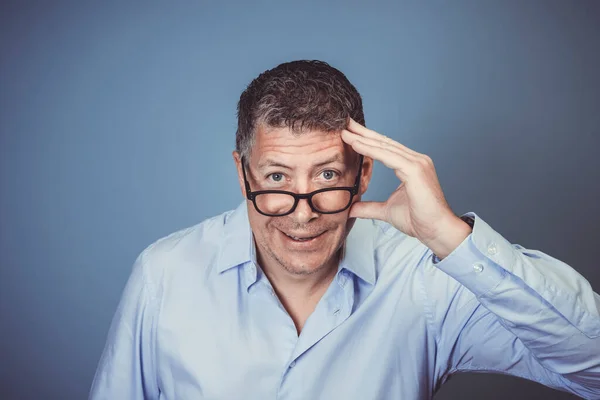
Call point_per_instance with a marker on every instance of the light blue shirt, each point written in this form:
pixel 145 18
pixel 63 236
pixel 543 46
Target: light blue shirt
pixel 198 319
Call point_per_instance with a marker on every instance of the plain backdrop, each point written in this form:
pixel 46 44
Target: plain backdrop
pixel 118 120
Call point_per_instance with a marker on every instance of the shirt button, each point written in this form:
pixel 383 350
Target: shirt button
pixel 492 249
pixel 336 312
pixel 292 364
pixel 478 267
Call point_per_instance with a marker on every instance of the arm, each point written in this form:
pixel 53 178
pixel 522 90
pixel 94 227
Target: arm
pixel 507 309
pixel 126 369
pixel 514 311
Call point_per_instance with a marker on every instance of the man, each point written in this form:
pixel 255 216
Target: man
pixel 290 296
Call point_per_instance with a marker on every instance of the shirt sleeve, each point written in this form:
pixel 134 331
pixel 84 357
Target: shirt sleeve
pixel 514 311
pixel 126 369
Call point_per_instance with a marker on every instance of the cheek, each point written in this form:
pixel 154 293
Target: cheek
pixel 264 228
pixel 338 229
pixel 259 224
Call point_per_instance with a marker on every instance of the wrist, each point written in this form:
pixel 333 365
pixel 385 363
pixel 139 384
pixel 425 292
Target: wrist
pixel 452 234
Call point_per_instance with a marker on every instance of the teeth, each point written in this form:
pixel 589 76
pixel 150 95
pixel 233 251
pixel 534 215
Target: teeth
pixel 300 239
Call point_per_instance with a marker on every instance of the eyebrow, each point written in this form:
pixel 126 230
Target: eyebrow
pixel 274 163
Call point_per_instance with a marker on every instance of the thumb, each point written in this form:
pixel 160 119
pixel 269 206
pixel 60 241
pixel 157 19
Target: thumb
pixel 368 209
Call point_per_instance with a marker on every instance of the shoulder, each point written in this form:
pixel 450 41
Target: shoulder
pixel 406 258
pixel 395 249
pixel 196 244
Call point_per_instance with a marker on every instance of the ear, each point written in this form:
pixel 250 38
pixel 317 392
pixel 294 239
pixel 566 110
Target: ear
pixel 238 165
pixel 367 173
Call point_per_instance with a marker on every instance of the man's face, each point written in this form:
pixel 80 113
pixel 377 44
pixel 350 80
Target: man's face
pixel 282 161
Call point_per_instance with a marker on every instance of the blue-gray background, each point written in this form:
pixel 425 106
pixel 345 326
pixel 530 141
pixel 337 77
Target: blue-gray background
pixel 117 124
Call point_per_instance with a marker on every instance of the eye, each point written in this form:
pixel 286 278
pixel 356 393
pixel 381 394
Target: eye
pixel 329 174
pixel 276 177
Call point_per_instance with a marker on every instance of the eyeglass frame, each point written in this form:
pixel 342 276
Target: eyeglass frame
pixel 250 195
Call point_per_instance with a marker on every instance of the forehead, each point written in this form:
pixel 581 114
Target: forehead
pixel 307 145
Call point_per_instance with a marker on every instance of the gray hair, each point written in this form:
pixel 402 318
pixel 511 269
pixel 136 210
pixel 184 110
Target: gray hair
pixel 301 95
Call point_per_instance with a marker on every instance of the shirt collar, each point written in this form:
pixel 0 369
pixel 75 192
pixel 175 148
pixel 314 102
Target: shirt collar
pixel 238 246
pixel 237 242
pixel 358 254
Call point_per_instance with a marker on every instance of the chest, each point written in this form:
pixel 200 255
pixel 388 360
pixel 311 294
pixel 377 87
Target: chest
pixel 247 346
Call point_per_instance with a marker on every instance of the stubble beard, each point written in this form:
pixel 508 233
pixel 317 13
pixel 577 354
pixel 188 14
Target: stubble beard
pixel 302 270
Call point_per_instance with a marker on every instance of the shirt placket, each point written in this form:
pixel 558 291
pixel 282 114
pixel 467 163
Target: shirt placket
pixel 332 310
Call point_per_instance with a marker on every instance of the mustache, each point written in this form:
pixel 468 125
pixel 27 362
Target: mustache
pixel 304 228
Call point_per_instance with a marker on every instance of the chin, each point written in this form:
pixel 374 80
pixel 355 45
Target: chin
pixel 303 263
pixel 293 267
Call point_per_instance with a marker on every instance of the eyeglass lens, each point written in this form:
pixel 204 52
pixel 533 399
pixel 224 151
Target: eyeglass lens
pixel 279 203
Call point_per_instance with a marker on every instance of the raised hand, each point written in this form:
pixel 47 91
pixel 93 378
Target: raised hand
pixel 418 206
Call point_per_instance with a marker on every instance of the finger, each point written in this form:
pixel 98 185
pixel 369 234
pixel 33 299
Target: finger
pixel 350 137
pixel 361 130
pixel 386 140
pixel 391 159
pixel 368 210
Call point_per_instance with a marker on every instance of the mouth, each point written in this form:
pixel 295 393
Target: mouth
pixel 302 238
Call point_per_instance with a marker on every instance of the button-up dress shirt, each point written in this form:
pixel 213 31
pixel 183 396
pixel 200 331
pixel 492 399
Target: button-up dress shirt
pixel 198 319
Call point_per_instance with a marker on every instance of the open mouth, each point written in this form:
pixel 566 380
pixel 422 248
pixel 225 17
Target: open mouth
pixel 303 238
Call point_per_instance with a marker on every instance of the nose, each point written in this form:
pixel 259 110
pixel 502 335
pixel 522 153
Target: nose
pixel 303 213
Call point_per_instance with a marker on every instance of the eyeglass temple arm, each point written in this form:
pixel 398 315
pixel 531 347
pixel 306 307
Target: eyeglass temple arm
pixel 248 191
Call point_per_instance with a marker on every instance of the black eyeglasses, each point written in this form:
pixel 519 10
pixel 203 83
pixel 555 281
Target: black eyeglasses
pixel 277 203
